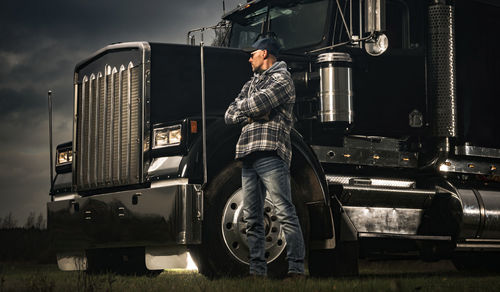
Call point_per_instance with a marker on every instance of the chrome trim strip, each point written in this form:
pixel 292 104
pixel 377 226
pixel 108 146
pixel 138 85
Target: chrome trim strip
pixel 480 240
pixel 66 197
pixel 385 190
pixel 203 112
pixel 469 166
pixel 145 141
pixel 84 89
pixel 169 182
pixel 485 246
pixel 126 45
pixel 75 131
pixel 468 150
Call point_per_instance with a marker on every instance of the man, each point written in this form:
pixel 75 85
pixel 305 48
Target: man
pixel 265 106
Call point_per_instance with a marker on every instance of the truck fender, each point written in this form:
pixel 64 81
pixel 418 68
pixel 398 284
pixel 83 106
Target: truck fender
pixel 305 170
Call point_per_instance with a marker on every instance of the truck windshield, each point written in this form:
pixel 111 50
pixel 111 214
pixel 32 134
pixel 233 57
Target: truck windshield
pixel 296 25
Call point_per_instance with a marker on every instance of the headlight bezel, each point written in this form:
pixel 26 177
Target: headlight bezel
pixel 64 150
pixel 64 156
pixel 173 132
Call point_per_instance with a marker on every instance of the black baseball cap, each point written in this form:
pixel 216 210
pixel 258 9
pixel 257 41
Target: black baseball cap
pixel 270 44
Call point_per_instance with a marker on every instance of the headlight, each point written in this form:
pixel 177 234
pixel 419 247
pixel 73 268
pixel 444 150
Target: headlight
pixel 64 156
pixel 167 136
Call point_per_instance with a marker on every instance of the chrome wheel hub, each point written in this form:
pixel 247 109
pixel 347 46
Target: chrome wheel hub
pixel 234 229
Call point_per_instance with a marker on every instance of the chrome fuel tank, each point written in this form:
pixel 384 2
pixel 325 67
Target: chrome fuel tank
pixel 336 88
pixel 481 214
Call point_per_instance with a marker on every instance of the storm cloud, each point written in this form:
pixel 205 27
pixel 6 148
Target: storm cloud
pixel 41 42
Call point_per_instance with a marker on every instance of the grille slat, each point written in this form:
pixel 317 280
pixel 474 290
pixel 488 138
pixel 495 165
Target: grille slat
pixel 89 127
pixel 101 136
pixel 119 126
pixel 116 117
pixel 129 110
pixel 85 131
pixel 122 154
pixel 109 128
pixel 93 102
pixel 135 130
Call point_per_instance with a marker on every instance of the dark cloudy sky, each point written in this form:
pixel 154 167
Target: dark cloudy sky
pixel 40 43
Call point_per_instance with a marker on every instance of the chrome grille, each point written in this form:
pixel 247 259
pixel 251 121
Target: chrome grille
pixel 109 127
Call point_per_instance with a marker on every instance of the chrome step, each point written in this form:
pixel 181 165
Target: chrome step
pixel 478 244
pixel 369 181
pixel 402 236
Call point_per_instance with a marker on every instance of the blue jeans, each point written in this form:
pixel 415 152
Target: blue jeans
pixel 270 174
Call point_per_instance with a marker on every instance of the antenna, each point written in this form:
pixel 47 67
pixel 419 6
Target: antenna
pixel 223 7
pixel 49 95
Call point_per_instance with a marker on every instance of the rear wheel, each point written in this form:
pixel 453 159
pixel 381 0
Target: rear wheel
pixel 224 249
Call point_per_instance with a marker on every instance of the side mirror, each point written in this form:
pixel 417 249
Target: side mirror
pixel 191 40
pixel 377 45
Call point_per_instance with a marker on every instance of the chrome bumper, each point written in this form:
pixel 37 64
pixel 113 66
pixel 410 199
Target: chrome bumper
pixel 165 215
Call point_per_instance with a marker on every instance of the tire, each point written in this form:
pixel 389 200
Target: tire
pixel 224 251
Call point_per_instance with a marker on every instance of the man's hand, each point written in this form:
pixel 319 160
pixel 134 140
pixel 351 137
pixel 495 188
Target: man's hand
pixel 263 118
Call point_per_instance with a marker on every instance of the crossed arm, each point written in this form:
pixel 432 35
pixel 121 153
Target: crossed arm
pixel 250 107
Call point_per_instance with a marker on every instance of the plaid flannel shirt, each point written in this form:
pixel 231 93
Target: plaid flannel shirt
pixel 271 92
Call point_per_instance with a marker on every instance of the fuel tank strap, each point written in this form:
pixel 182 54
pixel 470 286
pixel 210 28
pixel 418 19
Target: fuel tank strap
pixel 482 213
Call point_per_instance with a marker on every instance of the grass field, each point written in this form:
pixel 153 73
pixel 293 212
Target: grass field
pixel 374 276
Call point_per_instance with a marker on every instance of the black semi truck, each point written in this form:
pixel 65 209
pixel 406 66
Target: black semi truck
pixel 396 141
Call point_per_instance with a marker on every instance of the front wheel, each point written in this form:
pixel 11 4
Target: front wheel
pixel 224 249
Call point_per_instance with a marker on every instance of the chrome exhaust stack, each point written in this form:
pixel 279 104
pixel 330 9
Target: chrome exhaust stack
pixel 441 69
